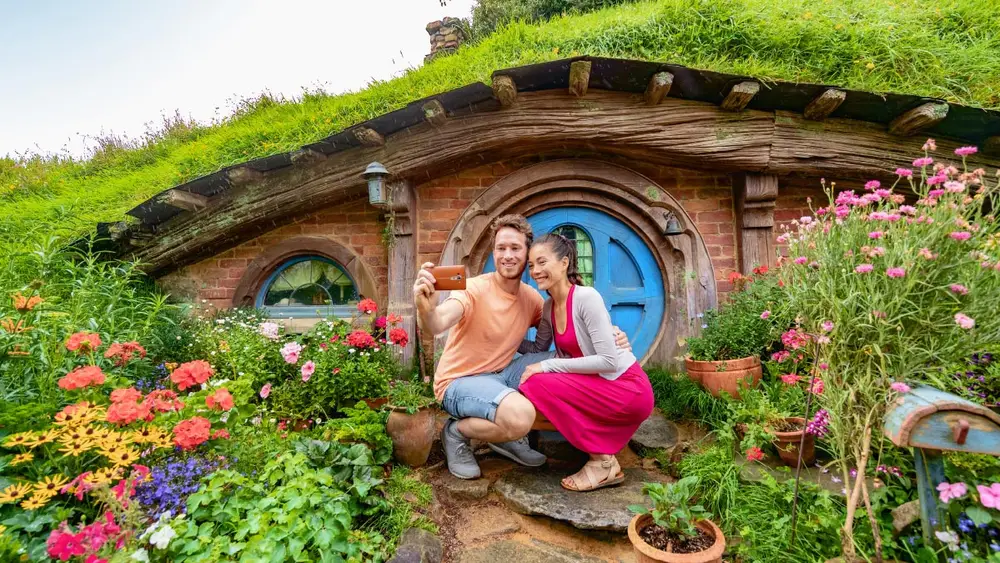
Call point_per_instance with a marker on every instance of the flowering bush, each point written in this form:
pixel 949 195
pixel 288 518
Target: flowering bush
pixel 884 273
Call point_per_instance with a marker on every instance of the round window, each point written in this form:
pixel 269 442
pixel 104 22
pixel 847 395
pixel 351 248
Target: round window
pixel 584 251
pixel 308 286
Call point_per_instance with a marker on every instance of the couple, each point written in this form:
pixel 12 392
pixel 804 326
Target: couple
pixel 591 388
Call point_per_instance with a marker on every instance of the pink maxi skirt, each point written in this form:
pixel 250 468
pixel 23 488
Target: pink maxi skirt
pixel 594 414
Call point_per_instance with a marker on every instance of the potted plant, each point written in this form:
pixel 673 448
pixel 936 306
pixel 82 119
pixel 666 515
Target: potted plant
pixel 896 283
pixel 674 530
pixel 726 355
pixel 412 423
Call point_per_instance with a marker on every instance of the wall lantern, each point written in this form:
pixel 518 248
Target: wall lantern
pixel 376 175
pixel 673 227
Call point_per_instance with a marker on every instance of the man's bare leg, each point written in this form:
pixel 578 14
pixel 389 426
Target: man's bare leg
pixel 514 418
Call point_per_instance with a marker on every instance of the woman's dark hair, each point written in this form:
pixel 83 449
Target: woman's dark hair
pixel 563 247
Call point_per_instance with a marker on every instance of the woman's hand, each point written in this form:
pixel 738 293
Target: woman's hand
pixel 529 371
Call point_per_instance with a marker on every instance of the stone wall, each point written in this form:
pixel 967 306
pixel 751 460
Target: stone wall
pixel 446 36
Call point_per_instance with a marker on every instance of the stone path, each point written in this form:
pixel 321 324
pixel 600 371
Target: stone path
pixel 520 515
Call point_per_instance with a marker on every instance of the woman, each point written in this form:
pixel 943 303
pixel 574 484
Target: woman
pixel 594 393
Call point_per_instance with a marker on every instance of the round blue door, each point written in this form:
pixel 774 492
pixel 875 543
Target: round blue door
pixel 615 261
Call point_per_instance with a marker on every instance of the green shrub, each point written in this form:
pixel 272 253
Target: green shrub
pixel 680 398
pixel 747 325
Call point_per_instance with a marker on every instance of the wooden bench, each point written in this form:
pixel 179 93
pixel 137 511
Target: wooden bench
pixel 542 423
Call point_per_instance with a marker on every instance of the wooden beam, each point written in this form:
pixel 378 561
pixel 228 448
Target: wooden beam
pixel 187 201
pixel 918 119
pixel 823 105
pixel 505 90
pixel 579 78
pixel 243 175
pixel 658 88
pixel 369 137
pixel 307 157
pixel 435 114
pixel 740 95
pixel 756 198
pixel 992 145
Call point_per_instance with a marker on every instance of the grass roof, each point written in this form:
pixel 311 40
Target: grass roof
pixel 948 49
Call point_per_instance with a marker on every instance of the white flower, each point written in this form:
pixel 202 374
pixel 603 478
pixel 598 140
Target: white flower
pixel 140 555
pixel 224 417
pixel 161 538
pixel 350 350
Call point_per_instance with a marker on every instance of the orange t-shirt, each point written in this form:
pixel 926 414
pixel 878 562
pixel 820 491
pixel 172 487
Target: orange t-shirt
pixel 491 328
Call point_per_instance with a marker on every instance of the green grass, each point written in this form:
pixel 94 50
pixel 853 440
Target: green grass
pixel 948 49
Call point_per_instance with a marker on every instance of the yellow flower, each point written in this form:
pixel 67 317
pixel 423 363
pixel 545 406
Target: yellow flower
pixel 34 503
pixel 870 66
pixel 839 26
pixel 110 449
pixel 76 447
pixel 46 437
pixel 2 529
pixel 100 477
pixel 15 493
pixel 19 439
pixel 72 415
pixel 51 485
pixel 127 456
pixel 807 15
pixel 22 458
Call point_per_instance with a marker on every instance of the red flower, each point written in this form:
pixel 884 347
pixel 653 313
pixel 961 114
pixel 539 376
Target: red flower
pixel 221 400
pixel 367 306
pixel 394 319
pixel 735 277
pixel 82 377
pixel 755 454
pixel 63 545
pixel 83 342
pixel 123 352
pixel 360 339
pixel 188 434
pixel 381 322
pixel 128 395
pixel 191 373
pixel 163 400
pixel 760 270
pixel 399 337
pixel 128 412
pixel 220 433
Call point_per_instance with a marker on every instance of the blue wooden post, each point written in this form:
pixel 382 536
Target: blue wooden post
pixel 930 472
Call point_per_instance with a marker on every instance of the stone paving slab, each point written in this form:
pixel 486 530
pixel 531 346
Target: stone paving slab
pixel 536 552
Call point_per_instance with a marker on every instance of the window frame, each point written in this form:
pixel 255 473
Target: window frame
pixel 304 311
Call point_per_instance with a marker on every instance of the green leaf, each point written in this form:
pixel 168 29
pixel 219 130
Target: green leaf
pixel 979 515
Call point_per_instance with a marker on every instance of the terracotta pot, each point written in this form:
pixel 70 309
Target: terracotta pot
pixel 788 445
pixel 725 375
pixel 375 404
pixel 645 553
pixel 412 435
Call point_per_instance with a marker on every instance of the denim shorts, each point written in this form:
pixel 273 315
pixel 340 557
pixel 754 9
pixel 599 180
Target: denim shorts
pixel 478 396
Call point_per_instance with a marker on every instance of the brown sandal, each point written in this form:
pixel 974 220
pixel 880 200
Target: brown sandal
pixel 591 473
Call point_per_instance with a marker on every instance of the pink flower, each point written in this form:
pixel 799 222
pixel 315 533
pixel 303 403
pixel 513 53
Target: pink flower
pixel 958 288
pixel 966 151
pixel 290 352
pixel 381 322
pixel 899 387
pixel 895 272
pixel 790 378
pixel 864 268
pixel 878 314
pixel 989 496
pixel 793 339
pixel 883 193
pixel 908 209
pixel 926 254
pixel 824 366
pixel 904 172
pixel 265 390
pixel 961 235
pixel 823 339
pixel 875 234
pixel 801 260
pixel 780 356
pixel 964 321
pixel 805 220
pixel 923 161
pixel 930 145
pixel 307 370
pixel 842 211
pixel 827 326
pixel 954 187
pixel 782 239
pixel 948 491
pixel 872 184
pixel 755 454
pixel 765 315
pixel 817 387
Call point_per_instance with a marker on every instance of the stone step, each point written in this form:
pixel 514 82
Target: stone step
pixel 535 551
pixel 538 492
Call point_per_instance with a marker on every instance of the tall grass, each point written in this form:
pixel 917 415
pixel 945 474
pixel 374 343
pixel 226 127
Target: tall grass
pixel 948 49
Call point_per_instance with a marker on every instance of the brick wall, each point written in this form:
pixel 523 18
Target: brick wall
pixel 354 224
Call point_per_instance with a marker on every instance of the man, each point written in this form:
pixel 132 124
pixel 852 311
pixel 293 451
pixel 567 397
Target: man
pixel 477 376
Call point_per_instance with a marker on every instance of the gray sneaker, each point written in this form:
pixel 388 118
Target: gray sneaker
pixel 461 461
pixel 520 451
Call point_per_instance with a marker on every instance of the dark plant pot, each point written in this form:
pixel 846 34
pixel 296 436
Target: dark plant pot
pixel 645 553
pixel 788 445
pixel 412 435
pixel 725 375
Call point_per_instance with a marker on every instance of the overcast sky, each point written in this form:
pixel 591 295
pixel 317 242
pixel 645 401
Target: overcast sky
pixel 73 68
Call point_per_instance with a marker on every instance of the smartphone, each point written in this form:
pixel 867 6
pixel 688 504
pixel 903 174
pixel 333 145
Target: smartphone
pixel 448 278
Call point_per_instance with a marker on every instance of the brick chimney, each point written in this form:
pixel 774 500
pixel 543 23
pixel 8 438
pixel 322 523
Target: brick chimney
pixel 446 36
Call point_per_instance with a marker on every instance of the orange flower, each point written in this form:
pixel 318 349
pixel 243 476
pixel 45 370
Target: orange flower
pixel 24 304
pixel 394 319
pixel 123 352
pixel 191 373
pixel 128 412
pixel 188 434
pixel 220 433
pixel 82 377
pixel 126 395
pixel 14 328
pixel 221 400
pixel 163 400
pixel 83 342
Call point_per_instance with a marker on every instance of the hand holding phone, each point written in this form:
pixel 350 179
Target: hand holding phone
pixel 448 278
